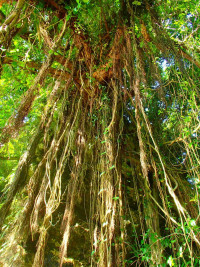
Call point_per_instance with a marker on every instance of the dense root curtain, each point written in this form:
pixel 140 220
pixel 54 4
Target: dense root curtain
pixel 114 159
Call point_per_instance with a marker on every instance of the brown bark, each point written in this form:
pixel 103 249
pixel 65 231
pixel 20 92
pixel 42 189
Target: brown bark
pixel 9 158
pixel 20 176
pixel 16 120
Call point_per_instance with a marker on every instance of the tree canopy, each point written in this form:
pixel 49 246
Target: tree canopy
pixel 99 133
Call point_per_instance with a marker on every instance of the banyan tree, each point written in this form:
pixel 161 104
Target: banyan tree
pixel 99 133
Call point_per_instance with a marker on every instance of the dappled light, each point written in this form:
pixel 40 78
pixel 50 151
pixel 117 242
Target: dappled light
pixel 99 133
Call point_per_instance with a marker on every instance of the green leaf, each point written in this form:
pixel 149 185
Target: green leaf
pixel 112 167
pixel 51 52
pixel 136 3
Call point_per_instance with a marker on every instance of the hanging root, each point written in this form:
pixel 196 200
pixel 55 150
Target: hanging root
pixel 104 164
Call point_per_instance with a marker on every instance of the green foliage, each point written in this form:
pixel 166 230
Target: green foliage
pixel 132 152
